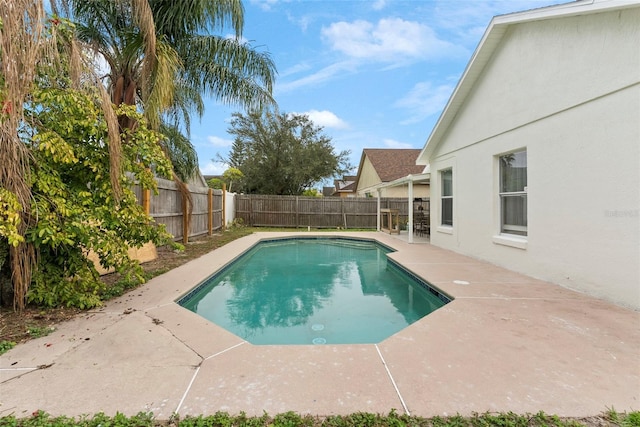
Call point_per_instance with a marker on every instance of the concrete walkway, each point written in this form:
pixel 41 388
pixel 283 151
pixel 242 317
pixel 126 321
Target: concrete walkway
pixel 507 342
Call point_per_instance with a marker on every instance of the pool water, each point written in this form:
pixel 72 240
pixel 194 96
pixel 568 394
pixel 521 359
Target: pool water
pixel 313 291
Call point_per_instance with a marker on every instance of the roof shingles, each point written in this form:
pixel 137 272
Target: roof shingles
pixel 391 164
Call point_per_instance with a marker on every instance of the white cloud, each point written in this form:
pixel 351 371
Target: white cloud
pixel 219 142
pixel 298 68
pixel 213 168
pixel 321 76
pixel 424 100
pixel 379 4
pixel 473 14
pixel 264 4
pixel 390 40
pixel 468 20
pixel 391 143
pixel 302 22
pixel 326 119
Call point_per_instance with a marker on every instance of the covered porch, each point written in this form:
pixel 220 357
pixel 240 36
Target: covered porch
pixel 415 232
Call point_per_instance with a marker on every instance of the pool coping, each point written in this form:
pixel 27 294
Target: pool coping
pixel 507 342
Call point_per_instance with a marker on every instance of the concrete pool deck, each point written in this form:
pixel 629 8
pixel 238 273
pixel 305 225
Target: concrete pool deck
pixel 507 342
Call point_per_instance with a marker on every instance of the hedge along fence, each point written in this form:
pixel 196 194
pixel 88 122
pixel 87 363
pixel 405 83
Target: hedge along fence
pixel 168 207
pixel 317 212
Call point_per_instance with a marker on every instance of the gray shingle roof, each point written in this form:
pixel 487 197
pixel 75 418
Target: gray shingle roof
pixel 393 163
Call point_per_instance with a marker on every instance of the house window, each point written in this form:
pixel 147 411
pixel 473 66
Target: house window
pixel 513 193
pixel 446 198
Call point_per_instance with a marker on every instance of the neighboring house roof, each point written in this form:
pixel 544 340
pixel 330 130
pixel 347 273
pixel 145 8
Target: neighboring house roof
pixel 391 163
pixel 328 191
pixel 489 43
pixel 345 185
pixel 197 180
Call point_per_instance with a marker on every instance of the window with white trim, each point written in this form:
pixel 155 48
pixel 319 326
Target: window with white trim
pixel 446 197
pixel 513 193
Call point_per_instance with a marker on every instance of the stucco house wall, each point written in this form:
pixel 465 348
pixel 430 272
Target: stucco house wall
pixel 566 89
pixel 368 177
pixel 403 191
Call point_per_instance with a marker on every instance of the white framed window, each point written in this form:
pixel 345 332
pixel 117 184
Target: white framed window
pixel 513 193
pixel 446 197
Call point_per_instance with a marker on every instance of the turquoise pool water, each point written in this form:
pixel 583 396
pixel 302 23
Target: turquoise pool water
pixel 313 291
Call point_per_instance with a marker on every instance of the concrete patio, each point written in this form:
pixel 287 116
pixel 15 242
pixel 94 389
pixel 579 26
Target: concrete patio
pixel 507 342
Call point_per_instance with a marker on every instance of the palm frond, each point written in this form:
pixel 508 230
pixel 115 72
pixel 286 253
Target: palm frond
pixel 143 18
pixel 161 95
pixel 115 144
pixel 23 45
pixel 180 150
pixel 226 11
pixel 231 71
pixel 179 19
pixel 187 101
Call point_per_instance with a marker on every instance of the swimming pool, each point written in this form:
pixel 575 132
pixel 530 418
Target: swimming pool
pixel 314 291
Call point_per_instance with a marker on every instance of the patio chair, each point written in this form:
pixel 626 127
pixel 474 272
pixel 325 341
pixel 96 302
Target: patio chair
pixel 420 224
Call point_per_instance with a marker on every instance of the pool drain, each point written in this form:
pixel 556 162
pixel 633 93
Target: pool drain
pixel 319 341
pixel 317 327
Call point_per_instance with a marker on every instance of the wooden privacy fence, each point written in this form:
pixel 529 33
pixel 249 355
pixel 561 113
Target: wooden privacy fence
pixel 168 207
pixel 317 212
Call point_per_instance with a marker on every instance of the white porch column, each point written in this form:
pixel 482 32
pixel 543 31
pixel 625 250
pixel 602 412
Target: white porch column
pixel 378 210
pixel 410 222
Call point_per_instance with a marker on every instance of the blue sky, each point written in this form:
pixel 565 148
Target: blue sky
pixel 373 74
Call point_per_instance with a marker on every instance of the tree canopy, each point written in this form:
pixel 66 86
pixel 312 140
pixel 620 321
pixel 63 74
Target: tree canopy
pixel 280 153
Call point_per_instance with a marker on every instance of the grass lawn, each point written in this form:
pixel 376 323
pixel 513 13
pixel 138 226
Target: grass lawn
pixel 359 419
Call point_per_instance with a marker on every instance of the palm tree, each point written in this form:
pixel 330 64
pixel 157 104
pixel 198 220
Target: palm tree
pixel 161 56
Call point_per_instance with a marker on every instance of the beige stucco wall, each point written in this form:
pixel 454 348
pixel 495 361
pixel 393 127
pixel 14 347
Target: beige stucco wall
pixel 403 191
pixel 568 91
pixel 146 253
pixel 367 178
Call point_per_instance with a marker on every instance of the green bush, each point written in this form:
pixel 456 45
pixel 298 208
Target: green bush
pixel 77 208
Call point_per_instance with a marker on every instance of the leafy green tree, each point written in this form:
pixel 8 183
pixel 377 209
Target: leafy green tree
pixel 229 176
pixel 312 192
pixel 281 153
pixel 75 201
pixel 232 175
pixel 215 183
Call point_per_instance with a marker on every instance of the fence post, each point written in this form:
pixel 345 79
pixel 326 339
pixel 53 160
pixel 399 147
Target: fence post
pixel 378 206
pixel 185 221
pixel 224 206
pixel 210 210
pixel 146 200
